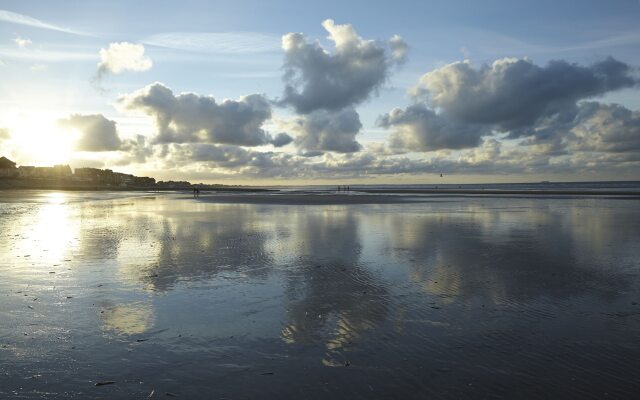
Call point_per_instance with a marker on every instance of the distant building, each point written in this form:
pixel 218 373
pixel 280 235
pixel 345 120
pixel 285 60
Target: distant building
pixel 27 171
pixel 87 174
pixel 7 168
pixel 174 184
pixel 94 176
pixel 62 171
pixel 144 181
pixel 98 176
pixel 44 173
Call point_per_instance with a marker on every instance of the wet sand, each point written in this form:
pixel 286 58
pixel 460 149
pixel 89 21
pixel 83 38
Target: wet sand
pixel 520 192
pixel 308 198
pixel 399 196
pixel 169 296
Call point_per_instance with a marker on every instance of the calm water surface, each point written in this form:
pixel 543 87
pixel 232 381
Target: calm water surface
pixel 451 298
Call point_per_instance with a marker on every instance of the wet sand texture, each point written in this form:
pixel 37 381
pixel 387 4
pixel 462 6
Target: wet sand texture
pixel 462 298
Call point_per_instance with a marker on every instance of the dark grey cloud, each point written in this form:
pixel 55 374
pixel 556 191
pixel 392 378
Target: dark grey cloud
pixel 233 160
pixel 418 128
pixel 328 131
pixel 220 155
pixel 605 128
pixel 514 93
pixel 309 154
pixel 189 117
pixel 456 105
pixel 316 79
pixel 97 132
pixel 281 139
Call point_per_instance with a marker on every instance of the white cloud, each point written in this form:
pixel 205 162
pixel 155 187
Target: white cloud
pixel 123 56
pixel 38 68
pixel 22 42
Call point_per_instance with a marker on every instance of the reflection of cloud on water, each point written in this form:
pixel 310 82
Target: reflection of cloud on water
pixel 333 299
pixel 195 246
pixel 128 319
pixel 510 254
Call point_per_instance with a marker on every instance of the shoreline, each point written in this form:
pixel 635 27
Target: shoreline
pixel 324 198
pixel 528 192
pixel 250 195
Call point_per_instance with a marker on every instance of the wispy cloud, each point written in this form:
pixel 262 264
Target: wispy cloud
pixel 48 55
pixel 497 44
pixel 38 68
pixel 216 42
pixel 15 18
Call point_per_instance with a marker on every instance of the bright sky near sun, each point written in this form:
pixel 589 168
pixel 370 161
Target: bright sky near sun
pixel 284 92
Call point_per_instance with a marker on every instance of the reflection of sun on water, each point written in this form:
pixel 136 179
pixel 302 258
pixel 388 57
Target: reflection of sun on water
pixel 55 197
pixel 56 229
pixel 49 235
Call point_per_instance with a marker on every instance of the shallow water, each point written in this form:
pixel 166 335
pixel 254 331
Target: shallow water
pixel 451 298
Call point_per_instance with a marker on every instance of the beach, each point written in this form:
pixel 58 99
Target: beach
pixel 368 294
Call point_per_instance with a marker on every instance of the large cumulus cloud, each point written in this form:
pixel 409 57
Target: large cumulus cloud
pixel 457 104
pixel 323 87
pixel 189 117
pixel 605 128
pixel 316 79
pixel 421 129
pixel 97 133
pixel 327 131
pixel 512 93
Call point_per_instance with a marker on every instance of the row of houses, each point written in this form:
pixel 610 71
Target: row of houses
pixel 102 177
pixel 110 178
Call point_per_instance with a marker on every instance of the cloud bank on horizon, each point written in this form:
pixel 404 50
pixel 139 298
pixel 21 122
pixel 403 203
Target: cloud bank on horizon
pixel 507 116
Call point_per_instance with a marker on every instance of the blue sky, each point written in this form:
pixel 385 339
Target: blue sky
pixel 49 55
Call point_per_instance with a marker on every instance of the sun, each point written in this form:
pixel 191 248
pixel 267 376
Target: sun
pixel 39 140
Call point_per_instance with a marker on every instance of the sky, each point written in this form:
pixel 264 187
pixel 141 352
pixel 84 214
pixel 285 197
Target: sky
pixel 289 92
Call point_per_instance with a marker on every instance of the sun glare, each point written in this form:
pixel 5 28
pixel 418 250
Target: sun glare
pixel 40 141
